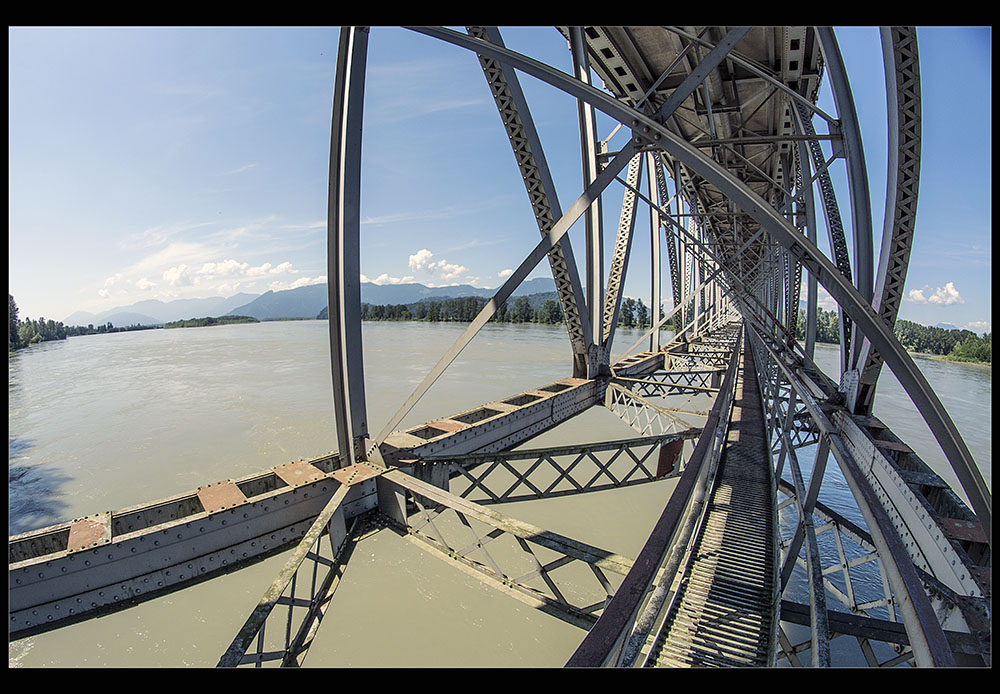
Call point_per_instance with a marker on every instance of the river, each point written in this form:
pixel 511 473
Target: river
pixel 104 422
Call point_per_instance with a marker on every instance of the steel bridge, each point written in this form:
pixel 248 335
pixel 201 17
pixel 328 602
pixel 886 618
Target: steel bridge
pixel 746 565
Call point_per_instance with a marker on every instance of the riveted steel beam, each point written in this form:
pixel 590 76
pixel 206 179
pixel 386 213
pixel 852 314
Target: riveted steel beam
pixel 902 73
pixel 619 259
pixel 527 146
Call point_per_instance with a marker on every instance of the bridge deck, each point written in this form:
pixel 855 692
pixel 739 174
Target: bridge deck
pixel 724 612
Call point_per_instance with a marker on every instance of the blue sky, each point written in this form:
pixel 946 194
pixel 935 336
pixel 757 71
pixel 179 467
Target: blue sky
pixel 187 162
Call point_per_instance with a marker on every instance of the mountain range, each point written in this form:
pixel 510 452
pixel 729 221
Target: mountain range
pixel 155 312
pixel 302 302
pixel 309 302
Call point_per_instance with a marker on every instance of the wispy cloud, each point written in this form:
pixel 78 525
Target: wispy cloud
pixel 399 110
pixel 410 216
pixel 241 169
pixel 158 235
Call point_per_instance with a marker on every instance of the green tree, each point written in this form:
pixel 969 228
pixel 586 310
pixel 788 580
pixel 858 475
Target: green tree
pixel 13 336
pixel 433 311
pixel 522 310
pixel 626 315
pixel 641 314
pixel 552 312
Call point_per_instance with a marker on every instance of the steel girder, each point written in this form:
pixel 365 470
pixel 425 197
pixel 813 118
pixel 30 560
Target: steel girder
pixel 541 191
pixel 740 190
pixel 650 132
pixel 344 250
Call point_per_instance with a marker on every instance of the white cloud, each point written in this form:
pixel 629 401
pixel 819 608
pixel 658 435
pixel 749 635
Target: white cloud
pixel 278 285
pixel 978 326
pixel 942 296
pixel 505 273
pixel 946 295
pixel 178 276
pixel 196 270
pixel 450 271
pixel 226 267
pixel 421 261
pixel 384 278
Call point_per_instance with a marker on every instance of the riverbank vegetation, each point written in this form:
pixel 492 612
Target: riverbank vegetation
pixel 536 308
pixel 202 322
pixel 26 332
pixel 952 345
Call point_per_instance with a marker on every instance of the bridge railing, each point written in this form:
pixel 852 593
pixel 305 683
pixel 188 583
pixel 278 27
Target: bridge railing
pixel 624 625
pixel 902 583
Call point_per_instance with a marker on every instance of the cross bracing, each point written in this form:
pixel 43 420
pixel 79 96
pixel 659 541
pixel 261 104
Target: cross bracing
pixel 723 124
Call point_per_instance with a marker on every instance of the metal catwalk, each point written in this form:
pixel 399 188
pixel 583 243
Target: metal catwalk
pixel 723 123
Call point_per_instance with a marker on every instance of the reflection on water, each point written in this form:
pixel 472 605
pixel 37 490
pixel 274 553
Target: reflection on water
pixel 108 421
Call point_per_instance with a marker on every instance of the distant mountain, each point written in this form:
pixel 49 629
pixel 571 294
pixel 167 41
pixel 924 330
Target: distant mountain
pixel 947 326
pixel 302 302
pixel 154 311
pixel 308 302
pixel 126 318
pixel 414 292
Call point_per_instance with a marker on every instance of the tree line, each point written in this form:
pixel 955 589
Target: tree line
pixel 633 313
pixel 956 344
pixel 202 322
pixel 465 310
pixel 26 332
pixel 22 333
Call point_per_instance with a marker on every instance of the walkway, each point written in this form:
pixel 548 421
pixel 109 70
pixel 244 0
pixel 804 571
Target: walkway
pixel 723 613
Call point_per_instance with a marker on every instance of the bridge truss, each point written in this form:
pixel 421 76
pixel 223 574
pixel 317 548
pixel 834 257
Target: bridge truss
pixel 723 124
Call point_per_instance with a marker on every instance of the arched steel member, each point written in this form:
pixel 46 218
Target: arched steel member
pixel 344 251
pixel 651 132
pixel 344 258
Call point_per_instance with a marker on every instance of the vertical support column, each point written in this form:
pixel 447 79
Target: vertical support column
pixel 343 246
pixel 857 175
pixel 805 176
pixel 654 252
pixel 594 229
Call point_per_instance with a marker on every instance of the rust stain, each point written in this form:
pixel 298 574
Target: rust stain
pixel 354 474
pixel 89 531
pixel 216 497
pixel 448 425
pixel 298 472
pixel 962 530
